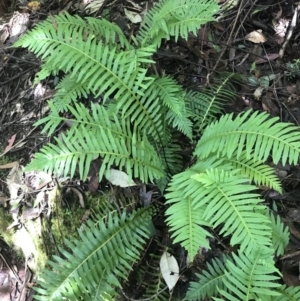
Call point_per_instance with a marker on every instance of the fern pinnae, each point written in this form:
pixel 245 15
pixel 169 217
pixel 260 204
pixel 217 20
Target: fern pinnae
pixel 81 145
pixel 210 281
pixel 244 279
pixel 255 134
pixel 230 201
pixel 168 18
pixel 256 171
pixel 95 245
pixel 207 104
pixel 280 233
pixel 291 293
pixel 91 62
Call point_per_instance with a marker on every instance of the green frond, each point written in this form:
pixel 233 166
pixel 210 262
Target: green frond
pixel 175 18
pixel 93 135
pixel 104 254
pixel 99 29
pixel 152 279
pixel 280 234
pixel 205 106
pixel 209 281
pixel 170 153
pixel 288 293
pixel 256 133
pixel 250 276
pixel 52 121
pixel 186 186
pixel 173 96
pixel 69 90
pixel 103 68
pixel 256 171
pixel 231 202
pixel 185 222
pixel 46 71
pixel 184 194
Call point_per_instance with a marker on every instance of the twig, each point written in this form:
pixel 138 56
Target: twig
pixel 291 30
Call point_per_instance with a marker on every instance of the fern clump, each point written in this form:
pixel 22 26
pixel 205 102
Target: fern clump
pixel 135 127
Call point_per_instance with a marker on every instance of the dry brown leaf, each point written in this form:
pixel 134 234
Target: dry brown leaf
pixel 10 143
pixel 256 37
pixel 9 165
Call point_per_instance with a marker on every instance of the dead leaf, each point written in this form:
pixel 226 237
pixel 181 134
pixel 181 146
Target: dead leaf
pixel 93 7
pixel 256 37
pixel 267 58
pixel 257 93
pixel 218 26
pixel 133 16
pixel 169 269
pixel 119 178
pixel 10 143
pixel 9 165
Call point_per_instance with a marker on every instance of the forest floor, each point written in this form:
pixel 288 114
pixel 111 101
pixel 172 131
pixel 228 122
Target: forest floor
pixel 259 40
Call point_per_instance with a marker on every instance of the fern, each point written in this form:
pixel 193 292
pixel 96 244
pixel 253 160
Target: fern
pixel 258 134
pixel 205 106
pixel 256 171
pixel 81 145
pixel 244 276
pixel 136 126
pixel 103 254
pixel 175 18
pixel 280 234
pixel 209 281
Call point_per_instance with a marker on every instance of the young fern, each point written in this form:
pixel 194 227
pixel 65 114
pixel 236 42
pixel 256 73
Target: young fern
pixel 134 128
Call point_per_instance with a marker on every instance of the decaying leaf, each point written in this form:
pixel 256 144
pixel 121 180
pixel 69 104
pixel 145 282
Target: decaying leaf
pixel 169 269
pixel 256 36
pixel 119 178
pixel 133 16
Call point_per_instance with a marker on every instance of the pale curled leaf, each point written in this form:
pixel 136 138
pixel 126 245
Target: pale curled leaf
pixel 256 37
pixel 169 269
pixel 133 16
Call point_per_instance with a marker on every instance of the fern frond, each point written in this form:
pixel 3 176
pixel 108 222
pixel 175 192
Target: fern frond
pixel 175 18
pixel 46 71
pixel 250 276
pixel 288 293
pixel 231 202
pixel 209 281
pixel 256 171
pixel 255 133
pixel 185 222
pixel 69 90
pixel 280 234
pixel 98 135
pixel 185 217
pixel 104 253
pixel 104 68
pixel 173 97
pixel 100 29
pixel 153 280
pixel 205 106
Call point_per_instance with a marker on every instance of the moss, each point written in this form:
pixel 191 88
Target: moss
pixel 25 240
pixel 38 239
pixel 67 220
pixel 5 221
